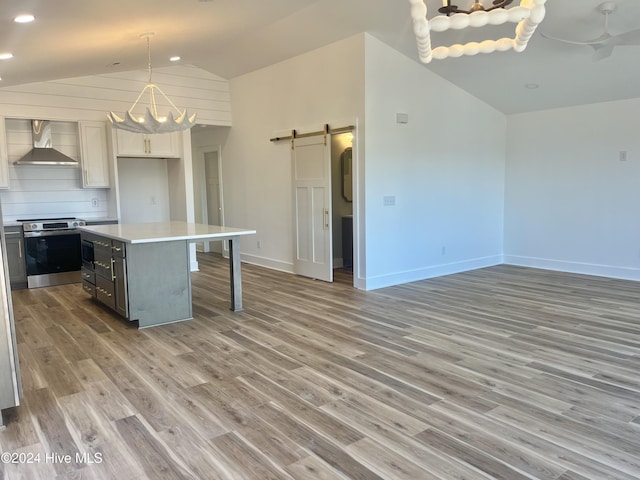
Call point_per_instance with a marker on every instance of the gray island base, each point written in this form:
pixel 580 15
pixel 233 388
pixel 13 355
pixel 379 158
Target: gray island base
pixel 142 271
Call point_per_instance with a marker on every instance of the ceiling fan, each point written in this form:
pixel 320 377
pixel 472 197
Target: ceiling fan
pixel 604 44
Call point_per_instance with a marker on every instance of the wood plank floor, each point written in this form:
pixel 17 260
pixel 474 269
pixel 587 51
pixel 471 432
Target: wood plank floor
pixel 499 373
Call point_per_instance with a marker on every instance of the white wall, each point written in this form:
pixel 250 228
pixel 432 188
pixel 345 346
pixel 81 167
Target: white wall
pixel 446 173
pixel 445 169
pixel 572 205
pixel 302 93
pixel 144 190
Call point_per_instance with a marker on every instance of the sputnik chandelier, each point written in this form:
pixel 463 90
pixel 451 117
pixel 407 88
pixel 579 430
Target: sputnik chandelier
pixel 151 122
pixel 528 15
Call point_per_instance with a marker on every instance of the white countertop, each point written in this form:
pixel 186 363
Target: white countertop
pixel 165 232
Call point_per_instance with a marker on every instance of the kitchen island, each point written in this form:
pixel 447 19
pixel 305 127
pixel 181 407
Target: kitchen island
pixel 142 270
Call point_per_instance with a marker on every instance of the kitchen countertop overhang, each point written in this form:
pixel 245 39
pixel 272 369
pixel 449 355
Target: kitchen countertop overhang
pixel 164 232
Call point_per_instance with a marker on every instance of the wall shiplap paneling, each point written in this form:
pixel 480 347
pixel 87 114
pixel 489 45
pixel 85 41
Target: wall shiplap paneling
pixel 91 98
pixel 104 101
pixel 40 191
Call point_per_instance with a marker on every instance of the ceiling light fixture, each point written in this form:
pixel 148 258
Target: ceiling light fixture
pixel 528 15
pixel 6 56
pixel 25 18
pixel 150 121
pixel 174 58
pixel 477 6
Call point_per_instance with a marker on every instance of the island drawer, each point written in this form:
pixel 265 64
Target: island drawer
pixel 90 288
pixel 104 292
pixel 103 264
pixel 88 276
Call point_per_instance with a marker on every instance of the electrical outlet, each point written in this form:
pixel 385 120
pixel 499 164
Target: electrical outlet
pixel 153 200
pixel 259 244
pixel 94 202
pixel 623 155
pixel 444 250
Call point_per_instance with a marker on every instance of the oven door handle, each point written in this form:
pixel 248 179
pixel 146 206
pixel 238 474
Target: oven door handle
pixel 50 233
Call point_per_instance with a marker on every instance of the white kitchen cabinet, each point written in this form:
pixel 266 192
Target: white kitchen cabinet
pixel 94 155
pixel 4 158
pixel 160 145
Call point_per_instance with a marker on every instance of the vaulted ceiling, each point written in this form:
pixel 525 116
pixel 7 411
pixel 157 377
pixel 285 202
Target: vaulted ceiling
pixel 71 38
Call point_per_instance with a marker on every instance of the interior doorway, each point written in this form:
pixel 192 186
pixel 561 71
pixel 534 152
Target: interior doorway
pixel 208 193
pixel 213 195
pixel 342 201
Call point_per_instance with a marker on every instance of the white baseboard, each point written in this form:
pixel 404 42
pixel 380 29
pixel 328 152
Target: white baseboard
pixel 623 273
pixel 267 262
pixel 372 283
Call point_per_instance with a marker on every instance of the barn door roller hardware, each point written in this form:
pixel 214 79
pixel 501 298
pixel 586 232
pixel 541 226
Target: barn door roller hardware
pixel 325 131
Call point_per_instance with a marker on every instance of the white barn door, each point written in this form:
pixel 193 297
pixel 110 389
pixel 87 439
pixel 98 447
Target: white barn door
pixel 312 207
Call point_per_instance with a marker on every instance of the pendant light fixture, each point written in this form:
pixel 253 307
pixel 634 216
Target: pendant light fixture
pixel 150 121
pixel 528 15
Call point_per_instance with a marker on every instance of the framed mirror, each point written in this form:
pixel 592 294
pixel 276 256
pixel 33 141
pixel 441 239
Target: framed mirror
pixel 347 180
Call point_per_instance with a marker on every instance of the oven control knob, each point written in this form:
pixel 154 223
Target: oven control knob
pixel 34 226
pixel 81 223
pixel 74 224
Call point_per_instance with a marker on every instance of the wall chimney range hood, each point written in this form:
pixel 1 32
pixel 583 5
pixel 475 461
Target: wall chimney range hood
pixel 43 152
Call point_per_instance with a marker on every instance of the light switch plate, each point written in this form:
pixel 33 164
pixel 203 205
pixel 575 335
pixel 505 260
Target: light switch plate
pixel 402 118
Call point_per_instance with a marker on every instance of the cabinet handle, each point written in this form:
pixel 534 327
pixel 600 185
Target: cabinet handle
pixel 86 177
pixel 117 249
pixel 113 275
pixel 102 290
pixel 325 212
pixel 20 249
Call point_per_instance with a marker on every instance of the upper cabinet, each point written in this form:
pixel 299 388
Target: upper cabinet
pixel 93 152
pixel 163 145
pixel 4 158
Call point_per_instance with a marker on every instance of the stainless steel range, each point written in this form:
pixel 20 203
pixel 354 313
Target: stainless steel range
pixel 52 251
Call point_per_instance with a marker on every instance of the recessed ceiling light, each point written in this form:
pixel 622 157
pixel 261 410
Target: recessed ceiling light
pixel 26 18
pixel 174 59
pixel 531 86
pixel 6 56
